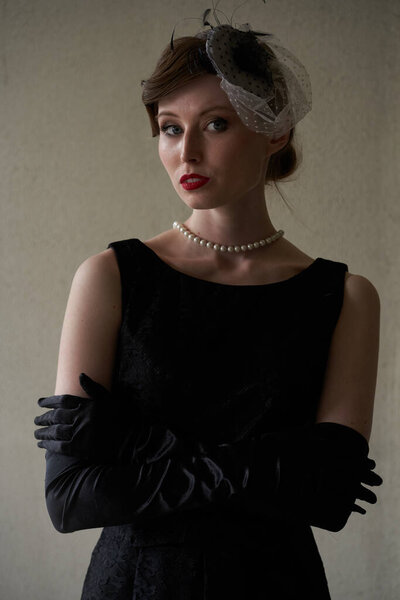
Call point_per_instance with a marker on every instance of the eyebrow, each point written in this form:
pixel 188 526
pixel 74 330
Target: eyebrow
pixel 207 110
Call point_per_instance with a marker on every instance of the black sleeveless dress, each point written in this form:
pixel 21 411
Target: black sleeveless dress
pixel 210 358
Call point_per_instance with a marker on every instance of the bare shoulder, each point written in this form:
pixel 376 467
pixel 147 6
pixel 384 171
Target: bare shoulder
pixel 360 314
pixel 103 262
pixel 98 278
pixel 361 291
pixel 102 267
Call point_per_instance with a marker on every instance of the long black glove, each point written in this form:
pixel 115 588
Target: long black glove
pixel 102 429
pixel 168 474
pixel 320 470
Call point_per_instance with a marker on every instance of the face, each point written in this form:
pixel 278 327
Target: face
pixel 212 142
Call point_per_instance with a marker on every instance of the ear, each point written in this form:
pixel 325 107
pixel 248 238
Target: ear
pixel 277 144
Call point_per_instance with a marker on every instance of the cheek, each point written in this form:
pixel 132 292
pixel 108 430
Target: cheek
pixel 164 154
pixel 240 149
pixel 254 157
pixel 244 161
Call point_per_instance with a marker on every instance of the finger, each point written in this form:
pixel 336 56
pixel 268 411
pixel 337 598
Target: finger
pixel 54 432
pixel 60 447
pixel 45 419
pixel 56 416
pixel 93 388
pixel 366 495
pixel 60 401
pixel 371 478
pixel 358 509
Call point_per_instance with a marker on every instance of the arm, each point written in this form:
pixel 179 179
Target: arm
pixel 350 378
pixel 91 324
pixel 299 474
pixel 82 494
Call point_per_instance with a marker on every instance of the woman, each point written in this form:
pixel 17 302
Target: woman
pixel 232 376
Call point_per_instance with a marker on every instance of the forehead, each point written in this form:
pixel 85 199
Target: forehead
pixel 199 94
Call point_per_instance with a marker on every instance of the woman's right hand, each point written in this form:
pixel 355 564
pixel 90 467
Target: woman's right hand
pixel 91 428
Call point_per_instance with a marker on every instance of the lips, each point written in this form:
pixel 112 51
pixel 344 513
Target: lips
pixel 193 185
pixel 194 176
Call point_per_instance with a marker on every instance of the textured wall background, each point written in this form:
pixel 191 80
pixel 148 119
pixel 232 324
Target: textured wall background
pixel 79 169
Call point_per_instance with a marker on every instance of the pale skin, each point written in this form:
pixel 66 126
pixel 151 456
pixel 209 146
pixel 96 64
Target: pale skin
pixel 230 209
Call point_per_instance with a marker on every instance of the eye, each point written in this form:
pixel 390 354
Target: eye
pixel 223 122
pixel 164 129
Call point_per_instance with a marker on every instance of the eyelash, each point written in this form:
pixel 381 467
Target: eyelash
pixel 167 126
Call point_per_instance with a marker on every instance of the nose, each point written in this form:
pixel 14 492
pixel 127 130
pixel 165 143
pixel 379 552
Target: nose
pixel 190 147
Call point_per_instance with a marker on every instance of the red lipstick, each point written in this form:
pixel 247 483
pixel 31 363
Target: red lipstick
pixel 191 181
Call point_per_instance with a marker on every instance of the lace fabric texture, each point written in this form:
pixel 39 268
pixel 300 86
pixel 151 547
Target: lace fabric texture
pixel 211 361
pixel 123 569
pixel 269 99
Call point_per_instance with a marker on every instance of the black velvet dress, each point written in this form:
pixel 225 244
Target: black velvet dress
pixel 210 357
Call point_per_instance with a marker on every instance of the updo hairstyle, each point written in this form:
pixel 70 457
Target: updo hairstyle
pixel 181 65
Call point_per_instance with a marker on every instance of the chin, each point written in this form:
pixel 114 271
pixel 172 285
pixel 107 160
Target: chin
pixel 203 205
pixel 197 202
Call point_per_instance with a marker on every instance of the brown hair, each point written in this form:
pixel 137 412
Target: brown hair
pixel 184 63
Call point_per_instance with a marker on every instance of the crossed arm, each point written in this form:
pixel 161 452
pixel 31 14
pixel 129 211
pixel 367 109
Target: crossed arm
pixel 81 344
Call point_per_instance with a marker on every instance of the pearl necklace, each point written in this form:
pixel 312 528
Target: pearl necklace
pixel 243 248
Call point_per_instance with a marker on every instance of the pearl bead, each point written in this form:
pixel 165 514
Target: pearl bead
pixel 220 247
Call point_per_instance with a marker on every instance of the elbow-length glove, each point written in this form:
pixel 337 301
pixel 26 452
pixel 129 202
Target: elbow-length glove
pixel 320 472
pixel 313 474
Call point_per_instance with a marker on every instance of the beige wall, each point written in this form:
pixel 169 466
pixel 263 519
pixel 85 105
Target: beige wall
pixel 79 169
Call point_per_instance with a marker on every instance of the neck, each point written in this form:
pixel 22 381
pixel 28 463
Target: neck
pixel 230 229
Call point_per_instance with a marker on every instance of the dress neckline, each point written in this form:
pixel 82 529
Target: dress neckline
pixel 289 280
